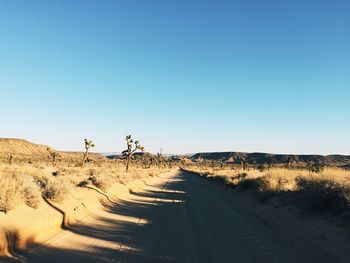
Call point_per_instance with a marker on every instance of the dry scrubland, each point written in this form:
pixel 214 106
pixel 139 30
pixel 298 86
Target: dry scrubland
pixel 36 201
pixel 28 185
pixel 326 191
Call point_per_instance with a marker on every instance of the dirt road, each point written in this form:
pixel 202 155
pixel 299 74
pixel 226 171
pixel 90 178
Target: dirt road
pixel 181 218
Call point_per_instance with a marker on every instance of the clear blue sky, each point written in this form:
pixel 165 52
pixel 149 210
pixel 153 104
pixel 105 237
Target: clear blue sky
pixel 182 75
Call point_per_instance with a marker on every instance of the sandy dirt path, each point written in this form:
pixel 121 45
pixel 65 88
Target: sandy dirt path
pixel 179 218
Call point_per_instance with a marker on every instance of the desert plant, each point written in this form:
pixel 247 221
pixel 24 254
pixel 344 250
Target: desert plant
pixel 53 155
pixel 270 159
pixel 322 194
pixel 243 159
pixel 17 189
pixel 261 167
pixel 315 166
pixel 160 159
pixel 128 153
pixel 255 165
pixel 88 144
pixel 54 189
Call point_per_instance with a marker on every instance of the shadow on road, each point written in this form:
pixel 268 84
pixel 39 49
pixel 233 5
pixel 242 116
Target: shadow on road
pixel 138 236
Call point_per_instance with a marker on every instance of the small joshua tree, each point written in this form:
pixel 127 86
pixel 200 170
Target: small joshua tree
pixel 159 159
pixel 128 153
pixel 53 155
pixel 244 162
pixel 270 159
pixel 315 166
pixel 88 144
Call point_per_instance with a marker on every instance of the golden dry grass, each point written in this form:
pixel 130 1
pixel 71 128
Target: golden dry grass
pixel 27 184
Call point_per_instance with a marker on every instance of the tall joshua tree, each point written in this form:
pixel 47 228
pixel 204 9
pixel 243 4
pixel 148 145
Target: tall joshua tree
pixel 132 148
pixel 53 155
pixel 88 144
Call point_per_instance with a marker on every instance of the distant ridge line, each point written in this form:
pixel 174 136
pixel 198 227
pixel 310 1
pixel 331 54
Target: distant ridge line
pixel 260 157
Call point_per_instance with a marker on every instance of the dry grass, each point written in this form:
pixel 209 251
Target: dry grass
pixel 17 189
pixel 328 190
pixel 28 184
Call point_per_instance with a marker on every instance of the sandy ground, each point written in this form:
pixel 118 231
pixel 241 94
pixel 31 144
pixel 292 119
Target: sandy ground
pixel 183 218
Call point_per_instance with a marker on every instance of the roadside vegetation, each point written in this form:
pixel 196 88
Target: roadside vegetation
pixel 315 188
pixel 28 185
pixel 53 178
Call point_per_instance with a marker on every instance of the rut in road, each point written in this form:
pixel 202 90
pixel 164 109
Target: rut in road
pixel 180 218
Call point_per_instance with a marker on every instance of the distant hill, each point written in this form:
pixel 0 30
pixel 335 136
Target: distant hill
pixel 23 149
pixel 136 155
pixel 260 158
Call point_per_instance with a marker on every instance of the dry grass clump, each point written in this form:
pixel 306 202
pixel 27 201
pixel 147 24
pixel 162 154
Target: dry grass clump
pixel 53 188
pixel 16 189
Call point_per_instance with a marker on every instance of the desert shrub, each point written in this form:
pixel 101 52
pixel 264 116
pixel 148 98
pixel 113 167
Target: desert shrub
pixel 322 194
pixel 100 183
pixel 17 189
pixel 83 183
pixel 52 188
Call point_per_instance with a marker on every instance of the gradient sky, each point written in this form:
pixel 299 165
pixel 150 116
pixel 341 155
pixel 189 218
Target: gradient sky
pixel 186 76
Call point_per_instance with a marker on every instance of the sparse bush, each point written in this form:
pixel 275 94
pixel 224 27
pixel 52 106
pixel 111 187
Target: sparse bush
pixel 82 184
pixel 100 183
pixel 322 194
pixel 53 155
pixel 17 189
pixel 52 188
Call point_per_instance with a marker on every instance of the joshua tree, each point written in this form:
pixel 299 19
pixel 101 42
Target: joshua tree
pixel 159 159
pixel 88 144
pixel 128 153
pixel 270 159
pixel 244 162
pixel 315 166
pixel 53 155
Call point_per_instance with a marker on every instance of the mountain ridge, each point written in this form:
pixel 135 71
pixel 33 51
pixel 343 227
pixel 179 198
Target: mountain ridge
pixel 261 157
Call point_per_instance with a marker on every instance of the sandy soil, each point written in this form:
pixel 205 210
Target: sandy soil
pixel 183 218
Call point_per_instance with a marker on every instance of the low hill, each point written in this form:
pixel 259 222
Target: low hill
pixel 24 150
pixel 260 158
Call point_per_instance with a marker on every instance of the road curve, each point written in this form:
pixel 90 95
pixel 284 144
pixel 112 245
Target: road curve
pixel 179 218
